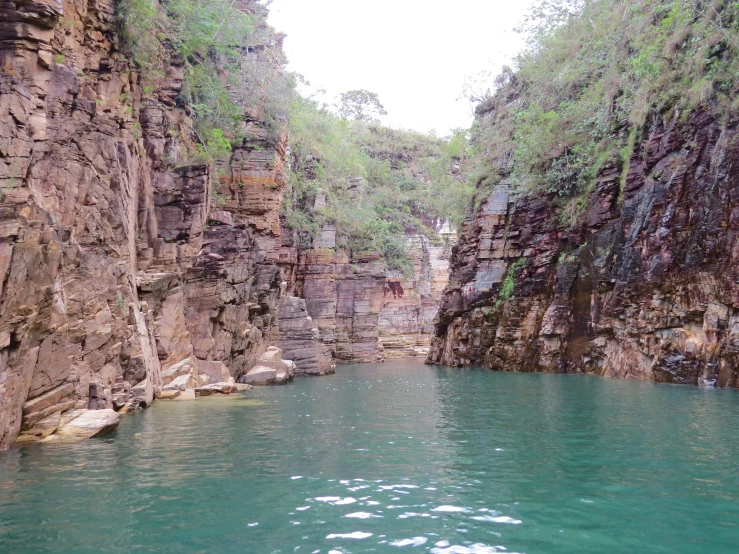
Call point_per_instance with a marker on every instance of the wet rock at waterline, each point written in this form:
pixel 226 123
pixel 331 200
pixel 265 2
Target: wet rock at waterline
pixel 78 425
pixel 299 338
pixel 645 285
pixel 271 369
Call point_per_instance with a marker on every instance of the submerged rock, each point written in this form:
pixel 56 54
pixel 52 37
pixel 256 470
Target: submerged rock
pixel 188 394
pixel 77 425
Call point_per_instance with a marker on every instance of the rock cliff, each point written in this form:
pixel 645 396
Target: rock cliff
pixel 645 286
pixel 117 262
pixel 367 232
pixel 410 303
pixel 362 311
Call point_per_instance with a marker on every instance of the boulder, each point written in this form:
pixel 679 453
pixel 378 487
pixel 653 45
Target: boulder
pixel 272 354
pixel 77 425
pixel 181 383
pixel 203 380
pixel 41 430
pixel 188 366
pixel 271 369
pixel 260 375
pixel 220 388
pixel 216 371
pixel 286 374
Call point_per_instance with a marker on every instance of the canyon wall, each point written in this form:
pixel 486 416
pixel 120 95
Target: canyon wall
pixel 410 303
pixel 362 311
pixel 117 263
pixel 644 286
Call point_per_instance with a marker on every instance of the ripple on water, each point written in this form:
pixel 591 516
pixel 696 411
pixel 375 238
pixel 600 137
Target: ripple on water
pixel 415 541
pixel 496 463
pixel 355 535
pixel 498 519
pixel 443 547
pixel 451 509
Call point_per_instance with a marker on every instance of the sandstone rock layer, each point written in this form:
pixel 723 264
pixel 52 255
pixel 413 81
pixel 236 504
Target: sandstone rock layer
pixel 117 261
pixel 645 287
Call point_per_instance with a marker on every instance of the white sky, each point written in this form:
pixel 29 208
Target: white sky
pixel 415 54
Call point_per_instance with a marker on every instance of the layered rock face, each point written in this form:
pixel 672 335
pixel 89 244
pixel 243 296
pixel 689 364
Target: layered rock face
pixel 410 304
pixel 647 287
pixel 300 339
pixel 344 298
pixel 361 312
pixel 116 262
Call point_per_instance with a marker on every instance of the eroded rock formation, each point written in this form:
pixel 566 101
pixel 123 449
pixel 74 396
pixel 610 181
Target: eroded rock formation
pixel 646 287
pixel 300 339
pixel 117 263
pixel 410 304
pixel 359 310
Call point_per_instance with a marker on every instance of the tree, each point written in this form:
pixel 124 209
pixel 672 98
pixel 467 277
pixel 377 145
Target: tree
pixel 361 105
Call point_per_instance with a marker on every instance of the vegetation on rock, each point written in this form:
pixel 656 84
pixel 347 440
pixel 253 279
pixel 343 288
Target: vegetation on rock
pixel 378 184
pixel 593 75
pixel 227 59
pixel 374 184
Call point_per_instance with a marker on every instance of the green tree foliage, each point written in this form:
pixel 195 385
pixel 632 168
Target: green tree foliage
pixel 228 65
pixel 379 184
pixel 593 74
pixel 361 105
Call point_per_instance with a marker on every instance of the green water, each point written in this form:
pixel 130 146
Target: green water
pixel 394 457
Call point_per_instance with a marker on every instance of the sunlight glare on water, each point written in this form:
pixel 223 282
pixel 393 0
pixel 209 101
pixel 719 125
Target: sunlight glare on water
pixel 390 458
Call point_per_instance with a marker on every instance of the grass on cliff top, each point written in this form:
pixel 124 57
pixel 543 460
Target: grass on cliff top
pixel 594 74
pixel 379 184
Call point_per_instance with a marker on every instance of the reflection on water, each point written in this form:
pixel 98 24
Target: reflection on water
pixel 397 456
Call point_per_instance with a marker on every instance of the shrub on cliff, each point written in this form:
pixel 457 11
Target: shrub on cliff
pixel 594 71
pixel 229 65
pixel 375 185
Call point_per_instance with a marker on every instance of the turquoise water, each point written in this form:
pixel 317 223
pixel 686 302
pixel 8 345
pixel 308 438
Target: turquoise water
pixel 391 458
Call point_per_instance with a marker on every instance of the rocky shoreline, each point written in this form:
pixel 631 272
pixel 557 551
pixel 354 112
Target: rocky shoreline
pixel 645 286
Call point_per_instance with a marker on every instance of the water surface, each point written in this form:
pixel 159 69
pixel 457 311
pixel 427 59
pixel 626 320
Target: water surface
pixel 391 458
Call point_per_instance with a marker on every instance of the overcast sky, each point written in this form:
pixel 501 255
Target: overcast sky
pixel 415 54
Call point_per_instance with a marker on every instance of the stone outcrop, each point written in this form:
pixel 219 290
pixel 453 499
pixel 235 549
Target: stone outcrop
pixel 344 298
pixel 362 312
pixel 410 304
pixel 645 287
pixel 271 369
pixel 117 260
pixel 77 425
pixel 299 338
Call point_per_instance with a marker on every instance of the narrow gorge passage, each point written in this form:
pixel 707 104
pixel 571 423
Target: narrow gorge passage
pixel 160 242
pixel 187 224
